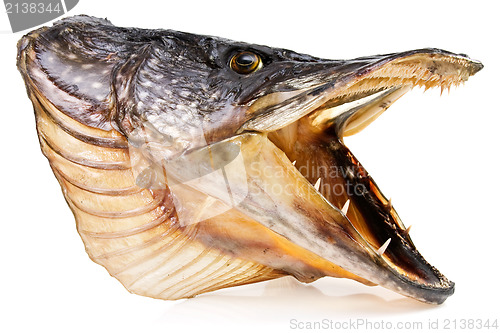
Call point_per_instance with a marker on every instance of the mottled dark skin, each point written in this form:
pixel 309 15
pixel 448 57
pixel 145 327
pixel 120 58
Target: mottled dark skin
pixel 193 67
pixel 198 64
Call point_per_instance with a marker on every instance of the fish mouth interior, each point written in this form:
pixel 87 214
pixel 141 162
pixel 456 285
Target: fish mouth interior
pixel 314 145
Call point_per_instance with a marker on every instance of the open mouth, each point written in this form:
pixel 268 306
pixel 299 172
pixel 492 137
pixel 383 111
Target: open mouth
pixel 313 143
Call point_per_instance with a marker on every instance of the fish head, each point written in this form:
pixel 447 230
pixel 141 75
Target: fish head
pixel 192 105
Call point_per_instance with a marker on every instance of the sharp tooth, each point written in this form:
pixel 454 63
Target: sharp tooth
pixel 293 163
pixel 388 205
pixel 382 249
pixel 346 207
pixel 407 231
pixel 318 183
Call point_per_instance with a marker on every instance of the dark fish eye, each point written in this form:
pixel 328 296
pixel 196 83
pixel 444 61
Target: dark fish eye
pixel 245 62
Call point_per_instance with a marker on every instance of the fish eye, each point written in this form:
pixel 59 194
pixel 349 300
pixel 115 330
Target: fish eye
pixel 245 62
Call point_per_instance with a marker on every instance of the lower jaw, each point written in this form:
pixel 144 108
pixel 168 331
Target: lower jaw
pixel 323 159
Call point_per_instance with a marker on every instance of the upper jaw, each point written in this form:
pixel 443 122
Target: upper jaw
pixel 340 81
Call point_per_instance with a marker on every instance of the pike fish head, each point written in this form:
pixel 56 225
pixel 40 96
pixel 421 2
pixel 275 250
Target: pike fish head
pixel 191 105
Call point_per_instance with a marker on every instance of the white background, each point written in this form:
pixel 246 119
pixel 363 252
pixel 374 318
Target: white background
pixel 437 157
